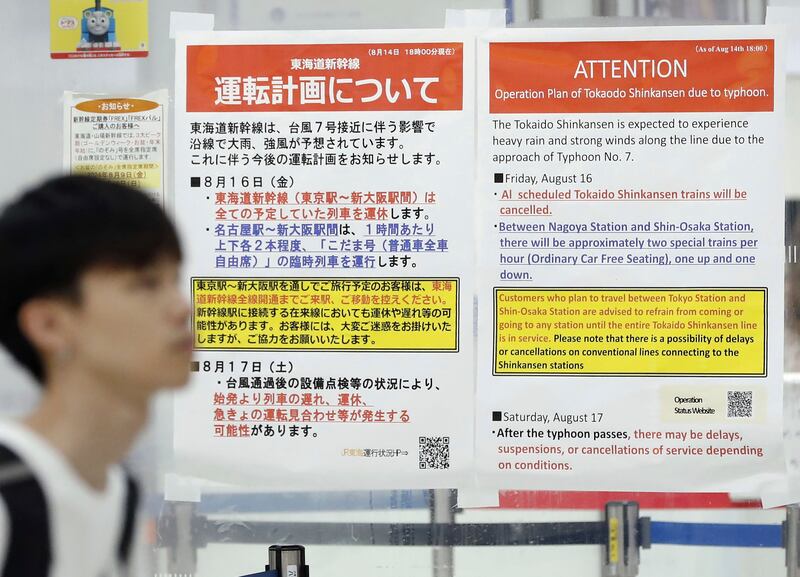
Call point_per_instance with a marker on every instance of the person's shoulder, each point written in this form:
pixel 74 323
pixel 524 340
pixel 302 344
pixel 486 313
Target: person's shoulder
pixel 18 483
pixel 61 482
pixel 25 545
pixel 18 443
pixel 20 488
pixel 13 450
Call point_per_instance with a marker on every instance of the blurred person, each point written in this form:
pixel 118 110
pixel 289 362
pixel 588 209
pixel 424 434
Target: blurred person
pixel 90 305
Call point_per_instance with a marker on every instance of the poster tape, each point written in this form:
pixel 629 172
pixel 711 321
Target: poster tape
pixel 478 498
pixel 789 16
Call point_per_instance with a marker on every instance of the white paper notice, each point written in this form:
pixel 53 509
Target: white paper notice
pixel 324 188
pixel 119 139
pixel 630 304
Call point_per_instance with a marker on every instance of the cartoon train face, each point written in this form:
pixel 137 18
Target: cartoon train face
pixel 98 22
pixel 98 29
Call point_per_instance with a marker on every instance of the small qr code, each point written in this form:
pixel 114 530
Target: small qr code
pixel 434 452
pixel 740 404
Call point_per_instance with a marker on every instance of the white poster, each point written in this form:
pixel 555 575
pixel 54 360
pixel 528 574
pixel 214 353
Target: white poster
pixel 324 191
pixel 117 138
pixel 631 279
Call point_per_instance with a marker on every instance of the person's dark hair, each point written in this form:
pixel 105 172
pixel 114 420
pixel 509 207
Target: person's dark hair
pixel 54 233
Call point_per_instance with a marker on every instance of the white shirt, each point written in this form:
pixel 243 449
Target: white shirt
pixel 85 524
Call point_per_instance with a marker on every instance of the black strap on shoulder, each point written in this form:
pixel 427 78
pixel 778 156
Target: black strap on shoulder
pixel 129 522
pixel 29 551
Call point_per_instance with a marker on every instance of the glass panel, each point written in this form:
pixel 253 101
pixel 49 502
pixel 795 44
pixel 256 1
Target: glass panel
pixel 412 533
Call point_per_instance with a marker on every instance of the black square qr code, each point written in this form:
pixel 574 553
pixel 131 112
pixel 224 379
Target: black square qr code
pixel 740 404
pixel 434 452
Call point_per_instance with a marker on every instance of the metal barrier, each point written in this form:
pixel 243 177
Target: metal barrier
pixel 182 530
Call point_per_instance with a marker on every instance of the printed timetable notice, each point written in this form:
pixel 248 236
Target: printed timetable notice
pixel 630 293
pixel 321 188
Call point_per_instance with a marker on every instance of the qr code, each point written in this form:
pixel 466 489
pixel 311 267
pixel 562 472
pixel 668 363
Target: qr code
pixel 434 452
pixel 740 404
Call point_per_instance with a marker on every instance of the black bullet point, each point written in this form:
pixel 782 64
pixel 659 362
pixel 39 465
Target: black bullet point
pixel 497 415
pixel 195 366
pixel 195 181
pixel 498 177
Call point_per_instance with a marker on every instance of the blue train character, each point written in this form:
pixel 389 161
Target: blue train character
pixel 98 29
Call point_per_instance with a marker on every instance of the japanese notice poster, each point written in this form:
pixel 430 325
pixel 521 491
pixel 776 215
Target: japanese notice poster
pixel 98 29
pixel 630 298
pixel 325 192
pixel 119 139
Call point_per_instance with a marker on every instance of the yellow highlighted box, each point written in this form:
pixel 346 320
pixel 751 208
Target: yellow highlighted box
pixel 631 331
pixel 330 314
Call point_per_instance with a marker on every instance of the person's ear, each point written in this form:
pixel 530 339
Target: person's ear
pixel 48 323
